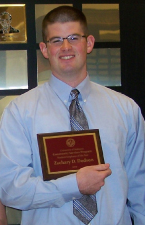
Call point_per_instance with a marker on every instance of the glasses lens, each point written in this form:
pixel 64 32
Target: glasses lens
pixel 56 41
pixel 75 38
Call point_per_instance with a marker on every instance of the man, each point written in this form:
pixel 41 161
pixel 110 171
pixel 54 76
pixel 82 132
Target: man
pixel 45 109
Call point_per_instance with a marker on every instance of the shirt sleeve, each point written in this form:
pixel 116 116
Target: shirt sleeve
pixel 20 187
pixel 135 166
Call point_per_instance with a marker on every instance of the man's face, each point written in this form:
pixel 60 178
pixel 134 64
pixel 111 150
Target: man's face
pixel 67 59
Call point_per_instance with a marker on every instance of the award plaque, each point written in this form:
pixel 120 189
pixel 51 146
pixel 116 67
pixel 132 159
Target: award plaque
pixel 12 23
pixel 64 153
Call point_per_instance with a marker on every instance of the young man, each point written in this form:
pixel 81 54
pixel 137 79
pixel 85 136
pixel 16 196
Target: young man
pixel 3 218
pixel 45 109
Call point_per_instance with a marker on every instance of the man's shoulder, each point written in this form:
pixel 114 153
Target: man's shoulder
pixel 114 99
pixel 106 92
pixel 30 97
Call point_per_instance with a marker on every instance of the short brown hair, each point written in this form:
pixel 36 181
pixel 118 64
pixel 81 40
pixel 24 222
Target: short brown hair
pixel 64 14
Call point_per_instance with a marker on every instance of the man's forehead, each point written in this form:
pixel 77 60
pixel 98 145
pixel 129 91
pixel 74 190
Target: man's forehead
pixel 69 23
pixel 65 27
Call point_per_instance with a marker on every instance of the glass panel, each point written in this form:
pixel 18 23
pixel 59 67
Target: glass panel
pixel 103 21
pixel 104 66
pixel 13 216
pixel 40 11
pixel 43 68
pixel 4 101
pixel 12 23
pixel 13 70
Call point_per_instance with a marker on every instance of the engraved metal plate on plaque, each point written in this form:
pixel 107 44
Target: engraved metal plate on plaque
pixel 12 23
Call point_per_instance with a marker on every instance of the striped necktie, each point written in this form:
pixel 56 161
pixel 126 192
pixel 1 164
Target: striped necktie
pixel 84 208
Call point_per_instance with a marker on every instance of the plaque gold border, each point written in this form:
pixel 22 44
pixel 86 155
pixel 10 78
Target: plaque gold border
pixel 47 173
pixel 18 13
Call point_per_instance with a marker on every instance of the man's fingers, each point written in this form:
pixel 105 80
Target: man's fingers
pixel 101 167
pixel 91 178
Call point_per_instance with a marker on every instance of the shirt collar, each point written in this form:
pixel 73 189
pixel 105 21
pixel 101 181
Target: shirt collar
pixel 63 90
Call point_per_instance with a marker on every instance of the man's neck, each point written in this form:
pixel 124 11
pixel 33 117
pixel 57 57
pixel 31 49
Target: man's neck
pixel 72 81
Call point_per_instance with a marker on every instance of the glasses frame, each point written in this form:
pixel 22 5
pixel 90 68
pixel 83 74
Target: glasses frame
pixel 68 38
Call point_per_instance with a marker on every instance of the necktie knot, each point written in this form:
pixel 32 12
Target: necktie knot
pixel 74 94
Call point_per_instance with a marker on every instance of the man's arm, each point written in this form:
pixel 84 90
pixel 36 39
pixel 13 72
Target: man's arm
pixel 135 167
pixel 21 182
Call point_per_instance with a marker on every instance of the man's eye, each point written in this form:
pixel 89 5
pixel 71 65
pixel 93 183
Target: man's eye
pixel 74 38
pixel 56 41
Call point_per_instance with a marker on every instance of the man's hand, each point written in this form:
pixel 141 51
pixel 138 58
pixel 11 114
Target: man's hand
pixel 91 178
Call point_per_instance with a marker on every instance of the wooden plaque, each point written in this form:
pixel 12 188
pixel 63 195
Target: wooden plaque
pixel 64 153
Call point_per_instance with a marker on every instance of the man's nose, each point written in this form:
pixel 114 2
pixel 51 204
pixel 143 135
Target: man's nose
pixel 66 45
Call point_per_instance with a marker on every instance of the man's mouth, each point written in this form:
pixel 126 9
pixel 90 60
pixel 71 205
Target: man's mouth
pixel 66 57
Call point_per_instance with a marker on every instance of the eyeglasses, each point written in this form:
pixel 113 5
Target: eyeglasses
pixel 72 39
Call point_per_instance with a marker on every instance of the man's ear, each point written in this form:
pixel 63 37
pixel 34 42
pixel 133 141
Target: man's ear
pixel 90 43
pixel 43 49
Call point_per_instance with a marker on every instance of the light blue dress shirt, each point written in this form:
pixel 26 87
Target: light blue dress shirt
pixel 45 110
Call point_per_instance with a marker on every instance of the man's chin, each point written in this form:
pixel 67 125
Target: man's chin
pixel 68 70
